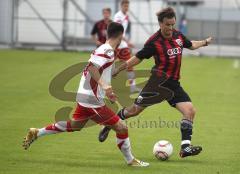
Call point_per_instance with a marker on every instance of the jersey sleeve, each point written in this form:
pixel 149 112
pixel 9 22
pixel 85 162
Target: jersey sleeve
pixel 147 51
pixel 94 29
pixel 100 59
pixel 186 42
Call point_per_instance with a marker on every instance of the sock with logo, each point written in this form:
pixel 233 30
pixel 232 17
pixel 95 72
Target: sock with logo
pixel 186 131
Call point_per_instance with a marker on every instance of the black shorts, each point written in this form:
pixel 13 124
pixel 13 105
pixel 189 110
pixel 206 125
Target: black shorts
pixel 159 89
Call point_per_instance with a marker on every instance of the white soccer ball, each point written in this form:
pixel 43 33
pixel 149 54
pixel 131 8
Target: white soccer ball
pixel 162 150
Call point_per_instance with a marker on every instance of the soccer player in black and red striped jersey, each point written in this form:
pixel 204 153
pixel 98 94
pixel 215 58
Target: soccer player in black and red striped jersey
pixel 99 31
pixel 166 47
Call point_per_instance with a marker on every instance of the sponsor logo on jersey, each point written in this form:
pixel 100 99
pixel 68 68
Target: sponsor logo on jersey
pixel 179 42
pixel 174 51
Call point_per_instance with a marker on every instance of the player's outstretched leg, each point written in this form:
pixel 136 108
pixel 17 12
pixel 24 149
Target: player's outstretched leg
pixel 123 114
pixel 103 134
pixel 61 126
pixel 123 143
pixel 186 108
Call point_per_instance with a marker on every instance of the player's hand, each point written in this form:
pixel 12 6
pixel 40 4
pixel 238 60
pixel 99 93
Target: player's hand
pixel 208 40
pixel 109 93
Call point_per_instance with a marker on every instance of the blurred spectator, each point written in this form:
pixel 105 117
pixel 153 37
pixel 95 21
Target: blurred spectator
pixel 183 24
pixel 99 31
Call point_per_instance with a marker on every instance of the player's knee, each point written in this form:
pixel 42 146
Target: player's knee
pixel 124 129
pixel 134 111
pixel 190 113
pixel 137 112
pixel 121 129
pixel 193 112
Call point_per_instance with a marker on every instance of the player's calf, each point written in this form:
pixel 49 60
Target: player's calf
pixel 124 145
pixel 131 111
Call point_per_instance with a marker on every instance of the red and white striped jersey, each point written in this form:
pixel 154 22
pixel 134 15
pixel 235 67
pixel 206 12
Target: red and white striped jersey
pixel 90 94
pixel 123 19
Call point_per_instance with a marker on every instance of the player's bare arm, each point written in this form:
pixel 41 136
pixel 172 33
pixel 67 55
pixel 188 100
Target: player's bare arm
pixel 93 70
pixel 128 64
pixel 202 43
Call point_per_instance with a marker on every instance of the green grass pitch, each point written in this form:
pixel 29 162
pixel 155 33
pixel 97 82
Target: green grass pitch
pixel 213 84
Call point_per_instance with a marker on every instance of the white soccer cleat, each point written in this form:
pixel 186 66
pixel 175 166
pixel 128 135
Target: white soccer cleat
pixel 30 138
pixel 137 163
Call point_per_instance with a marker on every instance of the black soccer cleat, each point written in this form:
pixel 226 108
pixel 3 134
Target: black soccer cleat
pixel 103 134
pixel 190 151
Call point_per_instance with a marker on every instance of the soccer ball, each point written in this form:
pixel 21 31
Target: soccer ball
pixel 162 150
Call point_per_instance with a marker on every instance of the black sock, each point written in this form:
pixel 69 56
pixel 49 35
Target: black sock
pixel 186 130
pixel 121 114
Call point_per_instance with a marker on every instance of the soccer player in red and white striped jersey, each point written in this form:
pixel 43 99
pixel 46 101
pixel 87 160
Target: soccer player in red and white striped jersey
pixel 94 85
pixel 123 53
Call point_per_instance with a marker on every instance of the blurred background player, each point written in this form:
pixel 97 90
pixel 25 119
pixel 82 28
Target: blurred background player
pixel 183 25
pixel 166 47
pixel 123 52
pixel 94 85
pixel 99 31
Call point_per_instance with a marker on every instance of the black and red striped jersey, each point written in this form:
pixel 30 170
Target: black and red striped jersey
pixel 166 52
pixel 100 28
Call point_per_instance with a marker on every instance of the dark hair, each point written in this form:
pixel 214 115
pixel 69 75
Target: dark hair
pixel 166 13
pixel 114 29
pixel 107 9
pixel 125 2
